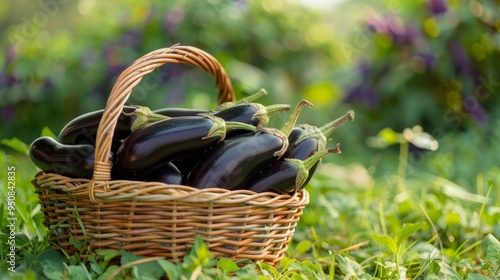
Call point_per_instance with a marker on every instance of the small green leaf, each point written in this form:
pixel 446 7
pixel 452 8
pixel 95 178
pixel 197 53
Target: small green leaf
pixel 78 272
pixel 476 276
pixel 127 257
pixel 148 270
pixel 268 271
pixel 227 265
pixel 386 241
pixel 492 248
pixel 76 243
pixel 107 254
pixel 95 267
pixel 52 258
pixel 16 144
pixel 108 272
pixel 52 270
pixel 406 232
pixel 171 269
pixel 303 247
pixel 348 266
pixel 46 131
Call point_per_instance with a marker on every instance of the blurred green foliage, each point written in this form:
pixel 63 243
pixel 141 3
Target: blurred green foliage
pixel 397 64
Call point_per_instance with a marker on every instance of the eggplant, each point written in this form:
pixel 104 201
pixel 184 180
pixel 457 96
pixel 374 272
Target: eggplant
pixel 232 162
pixel 251 98
pixel 306 140
pixel 75 161
pixel 167 174
pixel 180 112
pixel 287 175
pixel 178 139
pixel 251 113
pixel 83 129
pixel 183 112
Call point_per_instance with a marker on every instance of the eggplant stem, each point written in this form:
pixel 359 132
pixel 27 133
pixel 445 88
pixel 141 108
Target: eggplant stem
pixel 330 127
pixel 311 131
pixel 220 127
pixel 251 98
pixel 247 99
pixel 289 125
pixel 277 108
pixel 303 166
pixel 144 116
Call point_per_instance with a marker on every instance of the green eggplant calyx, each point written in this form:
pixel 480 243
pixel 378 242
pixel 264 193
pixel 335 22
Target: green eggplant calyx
pixel 289 125
pixel 251 98
pixel 260 114
pixel 328 128
pixel 303 166
pixel 218 129
pixel 312 132
pixel 274 109
pixel 302 172
pixel 247 99
pixel 224 106
pixel 240 125
pixel 279 134
pixel 144 116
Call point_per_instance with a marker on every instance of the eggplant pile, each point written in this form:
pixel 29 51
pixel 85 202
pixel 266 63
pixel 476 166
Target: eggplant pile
pixel 230 147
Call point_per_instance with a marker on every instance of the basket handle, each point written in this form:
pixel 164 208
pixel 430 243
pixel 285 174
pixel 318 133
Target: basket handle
pixel 131 76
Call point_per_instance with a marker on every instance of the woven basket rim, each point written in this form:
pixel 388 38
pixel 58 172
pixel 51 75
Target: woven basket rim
pixel 153 192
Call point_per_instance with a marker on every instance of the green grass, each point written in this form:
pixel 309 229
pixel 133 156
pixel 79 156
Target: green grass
pixel 404 225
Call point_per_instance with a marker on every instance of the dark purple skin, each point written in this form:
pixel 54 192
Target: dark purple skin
pixel 83 129
pixel 180 112
pixel 167 174
pixel 302 150
pixel 75 161
pixel 279 178
pixel 294 136
pixel 164 141
pixel 243 113
pixel 231 163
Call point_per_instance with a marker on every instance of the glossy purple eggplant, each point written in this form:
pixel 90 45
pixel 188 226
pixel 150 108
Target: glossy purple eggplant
pixel 287 175
pixel 167 174
pixel 69 160
pixel 231 163
pixel 169 140
pixel 83 129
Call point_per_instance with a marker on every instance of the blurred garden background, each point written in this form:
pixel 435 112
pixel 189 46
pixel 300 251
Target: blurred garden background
pixel 423 78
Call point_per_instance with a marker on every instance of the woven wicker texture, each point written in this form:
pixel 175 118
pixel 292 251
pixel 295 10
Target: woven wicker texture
pixel 154 219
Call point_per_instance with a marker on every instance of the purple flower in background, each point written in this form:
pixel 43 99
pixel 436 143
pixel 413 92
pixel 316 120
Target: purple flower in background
pixel 428 58
pixel 3 82
pixel 475 109
pixel 12 54
pixel 112 56
pixel 131 38
pixel 13 80
pixel 364 95
pixel 437 7
pixel 463 64
pixel 7 113
pixel 364 69
pixel 394 27
pixel 173 18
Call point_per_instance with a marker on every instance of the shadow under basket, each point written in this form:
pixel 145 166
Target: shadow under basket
pixel 158 220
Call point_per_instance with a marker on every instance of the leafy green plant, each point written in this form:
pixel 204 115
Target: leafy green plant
pixel 398 245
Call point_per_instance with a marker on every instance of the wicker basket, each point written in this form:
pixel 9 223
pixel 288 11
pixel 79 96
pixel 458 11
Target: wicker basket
pixel 159 220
